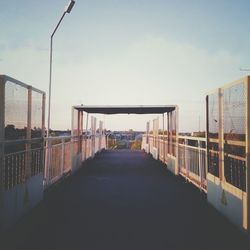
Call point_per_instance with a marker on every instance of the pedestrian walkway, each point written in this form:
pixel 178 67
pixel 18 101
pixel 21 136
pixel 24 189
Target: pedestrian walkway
pixel 125 200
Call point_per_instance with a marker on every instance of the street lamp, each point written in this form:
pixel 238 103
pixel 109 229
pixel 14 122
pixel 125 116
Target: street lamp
pixel 67 9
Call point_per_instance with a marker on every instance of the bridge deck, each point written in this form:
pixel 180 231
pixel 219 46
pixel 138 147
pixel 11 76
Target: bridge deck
pixel 125 200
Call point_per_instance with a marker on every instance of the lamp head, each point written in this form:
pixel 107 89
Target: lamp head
pixel 70 5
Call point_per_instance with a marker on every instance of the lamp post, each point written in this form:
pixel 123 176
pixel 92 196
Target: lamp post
pixel 67 9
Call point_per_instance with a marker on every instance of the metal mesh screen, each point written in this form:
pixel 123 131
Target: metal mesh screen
pixel 213 133
pixel 36 115
pixel 234 121
pixel 16 114
pixel 16 111
pixel 37 146
pixel 22 157
pixel 74 122
pixel 213 114
pixel 234 113
pixel 155 131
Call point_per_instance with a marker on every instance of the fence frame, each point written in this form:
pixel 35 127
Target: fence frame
pixel 230 194
pixel 30 185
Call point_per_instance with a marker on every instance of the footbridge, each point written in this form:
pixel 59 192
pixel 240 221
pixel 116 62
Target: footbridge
pixel 70 191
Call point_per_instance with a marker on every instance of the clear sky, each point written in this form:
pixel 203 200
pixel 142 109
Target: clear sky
pixel 143 52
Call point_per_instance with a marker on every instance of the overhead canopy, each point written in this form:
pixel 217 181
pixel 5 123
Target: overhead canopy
pixel 110 110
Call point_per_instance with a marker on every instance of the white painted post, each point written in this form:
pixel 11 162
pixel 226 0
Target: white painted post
pixel 177 138
pixel 199 154
pixel 86 136
pixel 46 165
pixel 207 134
pixel 171 133
pixel 186 153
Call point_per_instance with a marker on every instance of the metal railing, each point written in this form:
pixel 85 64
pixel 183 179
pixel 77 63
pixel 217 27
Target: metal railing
pixel 63 154
pixel 190 153
pixel 192 160
pixel 20 165
pixel 53 157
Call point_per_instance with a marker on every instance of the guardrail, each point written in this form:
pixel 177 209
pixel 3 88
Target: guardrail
pixel 65 154
pixel 192 160
pixel 190 154
pixel 53 156
pixel 28 167
pixel 21 159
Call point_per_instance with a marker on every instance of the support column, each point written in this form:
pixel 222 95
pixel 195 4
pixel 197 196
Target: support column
pixel 86 136
pixel 79 130
pixel 207 135
pixel 171 134
pixel 177 138
pixel 221 136
pixel 43 115
pixel 43 146
pixel 72 121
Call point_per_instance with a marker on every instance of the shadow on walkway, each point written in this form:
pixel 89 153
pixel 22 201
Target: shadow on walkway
pixel 124 200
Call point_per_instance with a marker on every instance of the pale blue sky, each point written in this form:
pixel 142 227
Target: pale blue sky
pixel 140 52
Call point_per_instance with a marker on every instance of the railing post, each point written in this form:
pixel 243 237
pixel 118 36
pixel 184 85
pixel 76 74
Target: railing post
pixel 46 163
pixel 199 155
pixel 93 135
pixel 177 137
pixel 49 170
pixel 185 157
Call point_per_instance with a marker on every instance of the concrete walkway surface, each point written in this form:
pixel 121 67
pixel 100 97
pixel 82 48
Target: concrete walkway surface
pixel 124 200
